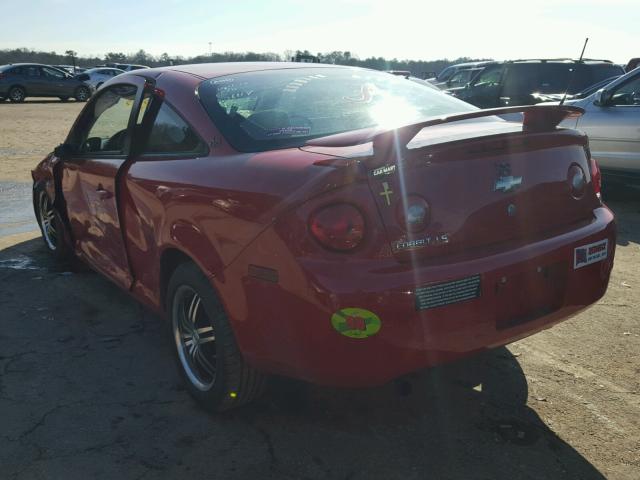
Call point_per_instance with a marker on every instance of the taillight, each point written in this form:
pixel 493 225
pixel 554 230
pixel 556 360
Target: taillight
pixel 596 176
pixel 338 227
pixel 414 214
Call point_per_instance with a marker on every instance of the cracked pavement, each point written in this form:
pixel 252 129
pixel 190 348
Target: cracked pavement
pixel 89 390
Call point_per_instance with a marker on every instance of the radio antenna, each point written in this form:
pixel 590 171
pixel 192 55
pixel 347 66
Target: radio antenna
pixel 573 72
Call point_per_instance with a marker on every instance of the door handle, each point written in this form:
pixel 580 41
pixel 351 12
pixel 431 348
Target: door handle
pixel 103 194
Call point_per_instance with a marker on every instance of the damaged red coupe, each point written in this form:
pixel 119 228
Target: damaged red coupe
pixel 334 224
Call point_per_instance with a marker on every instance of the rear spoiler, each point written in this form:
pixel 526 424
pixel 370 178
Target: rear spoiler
pixel 537 118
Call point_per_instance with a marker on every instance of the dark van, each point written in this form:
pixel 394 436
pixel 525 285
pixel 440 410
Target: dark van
pixel 515 82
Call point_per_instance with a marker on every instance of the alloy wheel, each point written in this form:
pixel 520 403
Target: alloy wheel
pixel 195 338
pixel 82 94
pixel 16 95
pixel 46 213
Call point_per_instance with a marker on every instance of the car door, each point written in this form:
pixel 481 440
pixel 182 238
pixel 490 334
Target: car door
pixel 484 91
pixel 34 80
pixel 55 82
pixel 614 127
pixel 101 141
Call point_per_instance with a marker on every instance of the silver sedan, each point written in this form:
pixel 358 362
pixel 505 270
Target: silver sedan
pixel 612 122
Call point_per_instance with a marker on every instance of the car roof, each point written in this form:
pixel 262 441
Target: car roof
pixel 587 61
pixel 11 65
pixel 212 70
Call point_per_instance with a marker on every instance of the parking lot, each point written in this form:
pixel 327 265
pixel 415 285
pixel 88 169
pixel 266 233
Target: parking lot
pixel 88 388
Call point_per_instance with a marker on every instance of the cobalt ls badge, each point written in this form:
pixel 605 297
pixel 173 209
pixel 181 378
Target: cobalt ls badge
pixel 588 254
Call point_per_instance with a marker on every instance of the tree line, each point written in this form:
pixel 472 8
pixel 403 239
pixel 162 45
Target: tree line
pixel 416 67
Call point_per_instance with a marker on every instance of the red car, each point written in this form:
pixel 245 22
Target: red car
pixel 334 224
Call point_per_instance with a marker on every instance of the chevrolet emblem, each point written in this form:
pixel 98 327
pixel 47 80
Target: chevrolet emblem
pixel 507 184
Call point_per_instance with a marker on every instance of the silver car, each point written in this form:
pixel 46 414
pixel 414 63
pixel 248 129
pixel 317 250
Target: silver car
pixel 612 122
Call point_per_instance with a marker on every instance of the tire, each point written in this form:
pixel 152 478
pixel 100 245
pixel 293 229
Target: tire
pixel 53 229
pixel 17 94
pixel 212 367
pixel 82 94
pixel 64 99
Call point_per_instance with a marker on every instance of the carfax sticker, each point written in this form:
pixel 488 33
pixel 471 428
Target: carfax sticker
pixel 447 293
pixel 588 254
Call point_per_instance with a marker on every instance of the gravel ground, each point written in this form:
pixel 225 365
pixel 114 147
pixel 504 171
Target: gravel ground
pixel 88 388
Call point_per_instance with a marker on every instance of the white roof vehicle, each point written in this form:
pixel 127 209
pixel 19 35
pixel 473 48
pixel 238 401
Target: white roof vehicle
pixel 95 77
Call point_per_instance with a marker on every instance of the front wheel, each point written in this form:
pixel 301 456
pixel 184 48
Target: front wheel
pixel 205 349
pixel 52 227
pixel 82 94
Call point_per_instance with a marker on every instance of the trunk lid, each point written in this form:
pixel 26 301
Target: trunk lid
pixel 483 182
pixel 481 191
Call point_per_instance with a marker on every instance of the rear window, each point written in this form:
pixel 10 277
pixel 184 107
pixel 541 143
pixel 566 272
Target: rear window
pixel 587 75
pixel 284 108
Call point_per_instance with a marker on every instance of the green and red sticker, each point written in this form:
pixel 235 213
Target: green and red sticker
pixel 356 322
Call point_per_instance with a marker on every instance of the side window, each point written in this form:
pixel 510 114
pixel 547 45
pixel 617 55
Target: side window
pixel 15 71
pixel 171 134
pixel 107 124
pixel 555 77
pixel 52 74
pixel 33 72
pixel 488 77
pixel 627 94
pixel 521 79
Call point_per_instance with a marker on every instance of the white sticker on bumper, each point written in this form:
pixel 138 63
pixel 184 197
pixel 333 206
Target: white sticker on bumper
pixel 592 253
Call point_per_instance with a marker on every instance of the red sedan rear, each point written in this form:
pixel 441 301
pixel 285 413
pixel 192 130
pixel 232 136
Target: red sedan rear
pixel 333 224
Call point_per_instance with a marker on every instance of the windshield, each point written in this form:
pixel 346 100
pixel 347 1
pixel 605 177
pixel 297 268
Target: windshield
pixel 284 108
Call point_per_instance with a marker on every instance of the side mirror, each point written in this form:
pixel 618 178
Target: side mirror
pixel 602 98
pixel 63 151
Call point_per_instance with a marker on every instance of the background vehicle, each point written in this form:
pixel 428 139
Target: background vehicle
pixel 126 67
pixel 612 122
pixel 70 69
pixel 95 77
pixel 274 245
pixel 448 72
pixel 556 97
pixel 515 82
pixel 461 78
pixel 633 63
pixel 21 80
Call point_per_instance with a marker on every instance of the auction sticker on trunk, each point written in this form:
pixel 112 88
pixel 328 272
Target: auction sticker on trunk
pixel 447 293
pixel 588 254
pixel 356 322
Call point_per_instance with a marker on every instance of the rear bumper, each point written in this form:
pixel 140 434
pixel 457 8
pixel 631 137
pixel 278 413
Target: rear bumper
pixel 285 327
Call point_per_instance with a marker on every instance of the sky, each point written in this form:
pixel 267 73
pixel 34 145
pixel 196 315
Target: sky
pixel 405 29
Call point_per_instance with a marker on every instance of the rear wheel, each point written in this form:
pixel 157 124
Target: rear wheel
pixel 206 352
pixel 82 94
pixel 53 229
pixel 17 94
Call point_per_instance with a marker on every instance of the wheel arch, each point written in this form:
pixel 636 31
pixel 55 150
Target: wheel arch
pixel 180 252
pixel 19 85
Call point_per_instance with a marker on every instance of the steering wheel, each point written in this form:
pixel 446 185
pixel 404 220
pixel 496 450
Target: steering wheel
pixel 116 142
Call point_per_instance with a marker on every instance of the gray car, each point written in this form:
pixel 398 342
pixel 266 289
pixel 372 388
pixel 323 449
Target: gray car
pixel 22 80
pixel 612 122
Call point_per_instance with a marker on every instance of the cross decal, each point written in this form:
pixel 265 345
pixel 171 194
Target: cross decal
pixel 386 193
